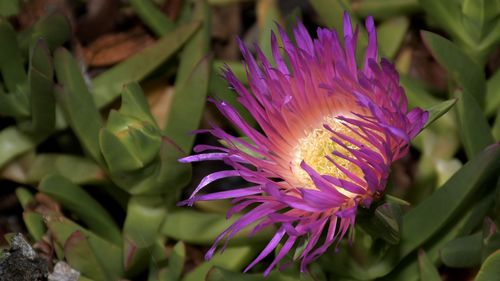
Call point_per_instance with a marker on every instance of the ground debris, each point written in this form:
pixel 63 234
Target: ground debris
pixel 63 272
pixel 20 262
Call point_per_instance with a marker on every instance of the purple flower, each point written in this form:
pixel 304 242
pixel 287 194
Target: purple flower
pixel 328 135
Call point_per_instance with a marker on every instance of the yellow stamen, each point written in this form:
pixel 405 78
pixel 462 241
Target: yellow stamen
pixel 317 144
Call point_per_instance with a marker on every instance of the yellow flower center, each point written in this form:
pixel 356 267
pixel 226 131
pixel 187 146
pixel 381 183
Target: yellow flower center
pixel 317 144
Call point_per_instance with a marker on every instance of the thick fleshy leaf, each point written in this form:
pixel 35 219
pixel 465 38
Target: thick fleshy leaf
pixel 466 221
pixel 187 106
pixel 77 169
pixel 427 269
pixel 219 89
pixel 439 110
pixel 54 28
pixel 78 252
pixel 385 222
pixel 268 14
pixel 331 12
pixel 177 259
pixel 142 224
pixel 493 94
pixel 35 224
pixel 108 255
pixel 152 16
pixel 390 35
pixel 41 89
pixel 447 15
pixel 220 274
pixel 475 130
pixel 459 66
pixel 191 83
pixel 236 67
pixel 463 251
pixel 417 228
pixel 77 103
pixel 108 85
pixel 233 258
pixel 131 139
pixel 167 176
pixel 79 202
pixel 385 8
pixel 11 63
pixel 417 93
pixel 24 196
pixel 490 237
pixel 9 7
pixel 202 228
pixel 13 143
pixel 490 270
pixel 495 131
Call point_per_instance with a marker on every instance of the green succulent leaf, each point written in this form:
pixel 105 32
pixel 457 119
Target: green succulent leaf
pixel 390 35
pixel 177 260
pixel 382 9
pixel 77 103
pixel 236 67
pixel 108 255
pixel 467 220
pixel 131 139
pixel 79 170
pixel 142 224
pixel 24 196
pixel 9 7
pixel 79 202
pixel 268 14
pixel 13 143
pixel 191 84
pixel 54 28
pixel 490 269
pixel 202 228
pixel 475 130
pixel 11 62
pixel 460 67
pixel 331 12
pixel 220 274
pixel 79 254
pixel 152 16
pixel 154 178
pixel 385 222
pixel 187 107
pixel 233 258
pixel 427 269
pixel 495 131
pixel 41 88
pixel 490 238
pixel 439 110
pixel 144 217
pixel 463 251
pixel 35 224
pixel 493 94
pixel 417 228
pixel 219 89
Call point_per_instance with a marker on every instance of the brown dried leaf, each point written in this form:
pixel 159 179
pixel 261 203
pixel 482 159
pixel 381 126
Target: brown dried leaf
pixel 112 48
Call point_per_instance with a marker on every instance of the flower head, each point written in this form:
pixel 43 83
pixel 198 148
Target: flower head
pixel 329 132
